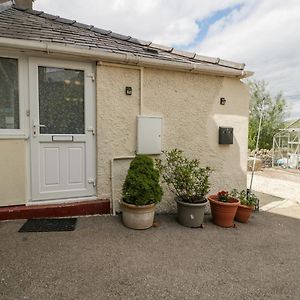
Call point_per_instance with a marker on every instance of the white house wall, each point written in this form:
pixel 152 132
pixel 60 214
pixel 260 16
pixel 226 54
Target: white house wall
pixel 190 107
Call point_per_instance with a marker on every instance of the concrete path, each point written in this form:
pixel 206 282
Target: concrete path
pixel 102 259
pixel 281 184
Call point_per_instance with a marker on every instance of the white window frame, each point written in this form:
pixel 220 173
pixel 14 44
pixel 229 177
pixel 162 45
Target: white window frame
pixel 22 132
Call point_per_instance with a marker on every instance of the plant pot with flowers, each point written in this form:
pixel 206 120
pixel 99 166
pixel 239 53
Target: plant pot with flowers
pixel 141 192
pixel 189 183
pixel 246 206
pixel 223 208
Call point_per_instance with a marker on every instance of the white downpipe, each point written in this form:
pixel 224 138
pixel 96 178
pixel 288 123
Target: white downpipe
pixel 141 90
pixel 124 157
pixel 126 58
pixel 113 209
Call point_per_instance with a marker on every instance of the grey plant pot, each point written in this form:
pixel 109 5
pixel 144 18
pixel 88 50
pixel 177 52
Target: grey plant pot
pixel 190 214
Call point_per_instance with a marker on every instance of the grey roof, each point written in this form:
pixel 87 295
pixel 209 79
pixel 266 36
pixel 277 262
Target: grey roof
pixel 39 26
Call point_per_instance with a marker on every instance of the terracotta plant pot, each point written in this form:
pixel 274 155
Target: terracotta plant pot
pixel 223 213
pixel 243 213
pixel 190 214
pixel 137 217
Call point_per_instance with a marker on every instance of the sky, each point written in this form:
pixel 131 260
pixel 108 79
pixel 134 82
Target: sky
pixel 264 34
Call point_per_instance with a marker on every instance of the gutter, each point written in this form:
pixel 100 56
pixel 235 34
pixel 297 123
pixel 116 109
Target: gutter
pixel 124 58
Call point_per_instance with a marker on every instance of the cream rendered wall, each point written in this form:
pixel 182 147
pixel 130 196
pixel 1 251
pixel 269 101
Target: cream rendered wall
pixel 189 104
pixel 13 173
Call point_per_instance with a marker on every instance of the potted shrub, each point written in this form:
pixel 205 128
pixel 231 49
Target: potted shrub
pixel 223 208
pixel 141 191
pixel 190 184
pixel 247 205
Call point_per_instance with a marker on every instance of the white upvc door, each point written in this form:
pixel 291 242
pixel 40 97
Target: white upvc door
pixel 62 138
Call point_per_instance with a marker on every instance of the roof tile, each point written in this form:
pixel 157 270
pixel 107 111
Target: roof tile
pixel 47 16
pixel 134 40
pixel 65 21
pixel 208 59
pixel 35 12
pixel 231 64
pixel 40 26
pixel 101 31
pixel 142 42
pixel 84 26
pixel 161 47
pixel 119 36
pixel 183 53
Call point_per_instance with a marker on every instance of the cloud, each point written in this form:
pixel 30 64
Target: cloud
pixel 262 33
pixel 295 109
pixel 265 35
pixel 162 21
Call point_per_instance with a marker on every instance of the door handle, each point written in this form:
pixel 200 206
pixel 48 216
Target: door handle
pixel 35 126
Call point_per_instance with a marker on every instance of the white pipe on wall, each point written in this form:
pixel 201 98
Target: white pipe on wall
pixel 113 209
pixel 141 69
pixel 141 90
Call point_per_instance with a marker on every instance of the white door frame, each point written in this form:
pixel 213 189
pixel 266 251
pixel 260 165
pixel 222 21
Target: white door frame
pixel 90 126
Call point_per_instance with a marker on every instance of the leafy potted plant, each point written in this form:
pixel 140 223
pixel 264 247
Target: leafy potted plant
pixel 141 191
pixel 247 205
pixel 223 208
pixel 190 184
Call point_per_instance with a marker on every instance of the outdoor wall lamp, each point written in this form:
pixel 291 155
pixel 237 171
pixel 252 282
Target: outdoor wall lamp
pixel 222 101
pixel 128 90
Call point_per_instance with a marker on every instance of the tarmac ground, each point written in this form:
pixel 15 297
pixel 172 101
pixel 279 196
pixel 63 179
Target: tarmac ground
pixel 102 259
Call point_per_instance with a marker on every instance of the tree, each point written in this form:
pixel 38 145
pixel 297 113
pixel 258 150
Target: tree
pixel 275 111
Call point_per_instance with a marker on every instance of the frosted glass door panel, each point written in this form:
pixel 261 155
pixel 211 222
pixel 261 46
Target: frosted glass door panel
pixel 61 101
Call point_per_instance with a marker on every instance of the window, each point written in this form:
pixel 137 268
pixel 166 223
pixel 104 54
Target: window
pixel 9 94
pixel 61 100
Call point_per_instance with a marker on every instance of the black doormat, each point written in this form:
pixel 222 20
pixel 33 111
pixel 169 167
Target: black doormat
pixel 47 225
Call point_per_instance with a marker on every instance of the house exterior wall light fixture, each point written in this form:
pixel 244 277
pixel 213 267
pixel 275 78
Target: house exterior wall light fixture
pixel 128 90
pixel 222 101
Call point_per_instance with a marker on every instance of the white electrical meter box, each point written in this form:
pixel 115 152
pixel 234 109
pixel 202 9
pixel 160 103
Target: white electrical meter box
pixel 149 132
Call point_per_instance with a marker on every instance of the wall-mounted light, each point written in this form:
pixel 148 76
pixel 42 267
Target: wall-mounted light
pixel 222 101
pixel 128 90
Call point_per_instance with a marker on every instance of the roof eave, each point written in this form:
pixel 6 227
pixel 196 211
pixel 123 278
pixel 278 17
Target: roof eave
pixel 246 74
pixel 124 58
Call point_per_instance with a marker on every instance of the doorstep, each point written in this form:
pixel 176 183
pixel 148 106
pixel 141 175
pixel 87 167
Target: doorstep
pixel 95 207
